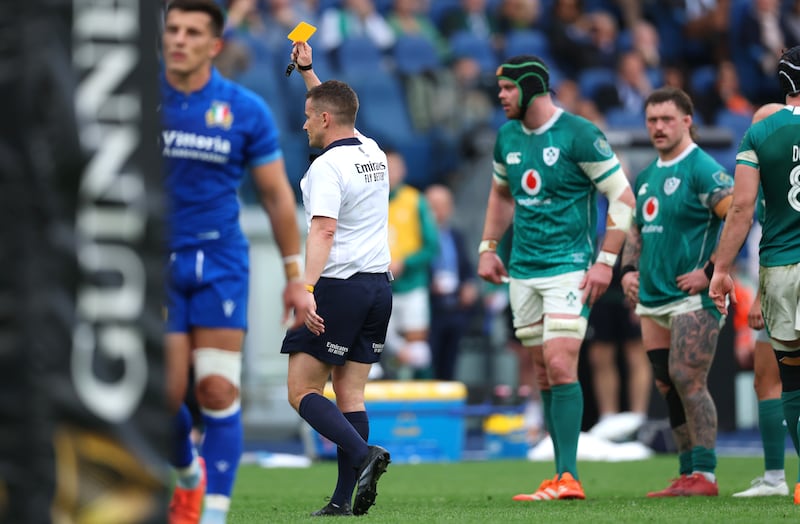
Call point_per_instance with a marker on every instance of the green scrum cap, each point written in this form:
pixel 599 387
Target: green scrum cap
pixel 530 75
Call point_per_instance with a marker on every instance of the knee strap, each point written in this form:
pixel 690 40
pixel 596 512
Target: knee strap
pixel 789 369
pixel 530 335
pixel 659 360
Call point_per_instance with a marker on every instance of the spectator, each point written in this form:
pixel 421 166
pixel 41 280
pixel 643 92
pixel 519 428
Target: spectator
pixel 645 40
pixel 518 14
pixel 453 290
pixel 602 48
pixel 762 41
pixel 409 17
pixel 568 34
pixel 472 16
pixel 413 242
pixel 790 24
pixel 706 26
pixel 354 18
pixel 631 88
pixel 726 95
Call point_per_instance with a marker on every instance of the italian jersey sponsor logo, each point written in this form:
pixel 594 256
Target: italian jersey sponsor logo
pixel 531 182
pixel 650 209
pixel 550 155
pixel 514 158
pixel 671 185
pixel 602 147
pixel 219 115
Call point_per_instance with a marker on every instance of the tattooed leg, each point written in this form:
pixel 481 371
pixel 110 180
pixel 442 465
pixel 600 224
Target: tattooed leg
pixel 694 342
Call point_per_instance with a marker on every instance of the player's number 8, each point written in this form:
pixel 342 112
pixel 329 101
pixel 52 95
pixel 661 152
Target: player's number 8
pixel 794 192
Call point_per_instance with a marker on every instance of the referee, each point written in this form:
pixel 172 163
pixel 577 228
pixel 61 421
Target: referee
pixel 346 198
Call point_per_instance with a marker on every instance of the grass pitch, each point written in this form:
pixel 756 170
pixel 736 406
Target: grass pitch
pixel 480 492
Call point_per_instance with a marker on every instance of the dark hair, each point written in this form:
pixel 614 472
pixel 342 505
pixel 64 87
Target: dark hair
pixel 209 7
pixel 671 94
pixel 335 97
pixel 677 96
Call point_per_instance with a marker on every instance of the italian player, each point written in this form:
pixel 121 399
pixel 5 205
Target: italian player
pixel 214 132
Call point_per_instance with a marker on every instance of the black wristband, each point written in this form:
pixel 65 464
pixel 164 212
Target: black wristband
pixel 304 68
pixel 708 269
pixel 628 268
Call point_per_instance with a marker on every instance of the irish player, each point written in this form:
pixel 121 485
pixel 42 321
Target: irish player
pixel 213 133
pixel 681 198
pixel 769 157
pixel 548 166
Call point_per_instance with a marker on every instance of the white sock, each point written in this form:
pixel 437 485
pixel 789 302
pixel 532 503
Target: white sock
pixel 708 475
pixel 188 477
pixel 774 476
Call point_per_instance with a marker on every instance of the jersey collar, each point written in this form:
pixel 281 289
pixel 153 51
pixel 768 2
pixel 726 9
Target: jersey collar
pixel 691 147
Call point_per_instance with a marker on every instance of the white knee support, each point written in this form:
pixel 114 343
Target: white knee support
pixel 564 327
pixel 210 361
pixel 530 335
pixel 226 364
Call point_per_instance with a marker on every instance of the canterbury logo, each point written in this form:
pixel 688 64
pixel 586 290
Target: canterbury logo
pixel 513 158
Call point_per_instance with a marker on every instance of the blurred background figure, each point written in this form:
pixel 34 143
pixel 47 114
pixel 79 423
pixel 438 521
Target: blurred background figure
pixel 355 18
pixel 413 241
pixel 454 290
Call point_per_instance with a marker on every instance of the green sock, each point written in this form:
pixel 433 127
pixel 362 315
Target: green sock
pixel 773 433
pixel 685 463
pixel 791 413
pixel 568 403
pixel 704 459
pixel 547 409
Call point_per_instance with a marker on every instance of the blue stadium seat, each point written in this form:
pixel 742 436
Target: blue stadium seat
pixel 618 118
pixel 736 123
pixel 383 113
pixel 264 83
pixel 480 49
pixel 702 79
pixel 359 55
pixel 528 42
pixel 589 80
pixel 414 55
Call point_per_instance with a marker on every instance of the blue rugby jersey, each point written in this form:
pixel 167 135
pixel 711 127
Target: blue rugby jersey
pixel 209 140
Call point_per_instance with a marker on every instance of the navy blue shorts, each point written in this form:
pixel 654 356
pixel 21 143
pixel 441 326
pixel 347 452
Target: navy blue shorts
pixel 207 288
pixel 356 312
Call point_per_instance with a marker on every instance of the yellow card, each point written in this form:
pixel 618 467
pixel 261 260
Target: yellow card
pixel 302 32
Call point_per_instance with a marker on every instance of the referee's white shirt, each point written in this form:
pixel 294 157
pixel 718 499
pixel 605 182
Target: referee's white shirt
pixel 350 182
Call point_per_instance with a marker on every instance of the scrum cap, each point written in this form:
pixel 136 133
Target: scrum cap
pixel 530 75
pixel 789 71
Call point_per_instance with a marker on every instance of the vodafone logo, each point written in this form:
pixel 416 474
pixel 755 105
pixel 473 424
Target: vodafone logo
pixel 650 209
pixel 531 182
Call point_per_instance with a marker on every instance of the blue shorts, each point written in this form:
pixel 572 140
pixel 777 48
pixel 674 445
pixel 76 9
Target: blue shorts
pixel 356 312
pixel 207 288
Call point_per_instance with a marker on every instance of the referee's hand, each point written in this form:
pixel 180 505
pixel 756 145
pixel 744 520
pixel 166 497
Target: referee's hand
pixel 314 322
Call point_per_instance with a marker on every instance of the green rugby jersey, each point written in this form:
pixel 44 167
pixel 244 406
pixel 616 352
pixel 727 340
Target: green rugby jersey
pixel 773 147
pixel 551 173
pixel 678 226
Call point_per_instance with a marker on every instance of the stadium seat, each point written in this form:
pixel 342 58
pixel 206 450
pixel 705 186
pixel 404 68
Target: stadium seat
pixel 736 123
pixel 414 55
pixel 701 79
pixel 359 55
pixel 618 118
pixel 480 49
pixel 528 42
pixel 589 80
pixel 383 113
pixel 263 82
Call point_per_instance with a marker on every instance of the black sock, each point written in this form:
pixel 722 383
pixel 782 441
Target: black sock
pixel 346 482
pixel 325 417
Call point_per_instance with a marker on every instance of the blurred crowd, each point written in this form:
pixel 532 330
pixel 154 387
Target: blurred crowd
pixel 424 69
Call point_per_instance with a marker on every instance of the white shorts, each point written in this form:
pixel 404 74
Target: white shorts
pixel 531 298
pixel 663 315
pixel 410 311
pixel 780 297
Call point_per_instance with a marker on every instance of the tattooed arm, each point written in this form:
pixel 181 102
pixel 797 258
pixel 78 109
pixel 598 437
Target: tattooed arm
pixel 630 264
